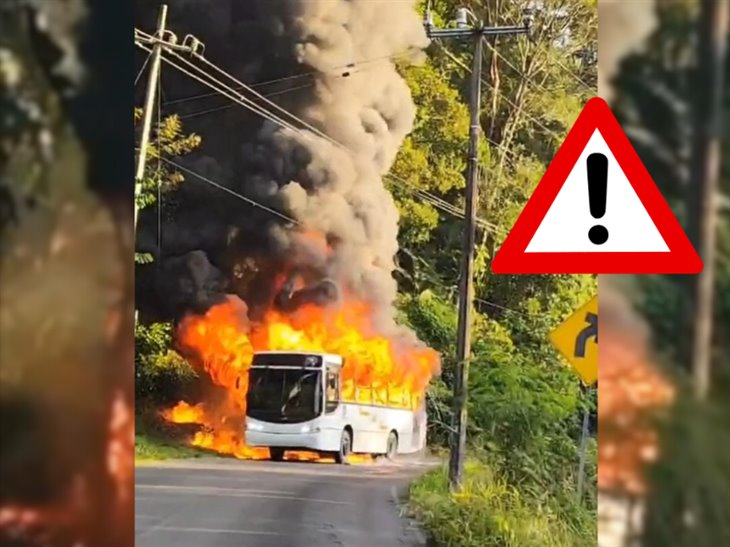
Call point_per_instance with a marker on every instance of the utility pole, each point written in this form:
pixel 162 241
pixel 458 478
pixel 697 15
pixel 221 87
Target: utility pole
pixel 477 32
pixel 156 57
pixel 167 39
pixel 704 188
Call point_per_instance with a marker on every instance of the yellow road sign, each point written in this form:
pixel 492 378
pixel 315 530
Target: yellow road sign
pixel 577 340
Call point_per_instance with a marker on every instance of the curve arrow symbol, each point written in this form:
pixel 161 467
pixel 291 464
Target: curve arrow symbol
pixel 590 331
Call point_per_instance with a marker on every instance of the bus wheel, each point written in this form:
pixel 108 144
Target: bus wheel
pixel 345 447
pixel 277 454
pixel 392 449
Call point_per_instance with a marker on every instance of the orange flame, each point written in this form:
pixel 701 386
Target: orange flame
pixel 184 413
pixel 377 368
pixel 632 394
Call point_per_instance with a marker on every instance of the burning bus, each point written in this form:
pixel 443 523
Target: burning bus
pixel 300 401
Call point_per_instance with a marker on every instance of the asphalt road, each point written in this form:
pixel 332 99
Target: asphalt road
pixel 217 503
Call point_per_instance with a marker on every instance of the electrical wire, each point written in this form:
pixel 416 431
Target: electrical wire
pixel 521 73
pixel 302 75
pixel 507 100
pixel 141 70
pixel 287 218
pixel 434 200
pixel 445 206
pixel 228 92
pixel 247 103
pixel 229 106
pixel 580 80
pixel 307 125
pixel 250 201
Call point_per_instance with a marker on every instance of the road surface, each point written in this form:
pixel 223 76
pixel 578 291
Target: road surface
pixel 221 503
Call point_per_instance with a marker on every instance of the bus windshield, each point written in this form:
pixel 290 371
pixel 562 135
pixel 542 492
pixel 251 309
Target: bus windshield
pixel 283 395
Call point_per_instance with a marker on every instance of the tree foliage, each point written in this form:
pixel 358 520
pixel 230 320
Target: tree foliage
pixel 161 374
pixel 167 141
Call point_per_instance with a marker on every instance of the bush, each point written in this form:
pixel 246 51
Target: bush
pixel 489 512
pixel 163 377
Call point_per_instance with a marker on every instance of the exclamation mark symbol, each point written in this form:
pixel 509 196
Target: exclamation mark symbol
pixel 597 165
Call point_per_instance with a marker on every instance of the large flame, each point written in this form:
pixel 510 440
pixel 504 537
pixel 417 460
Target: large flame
pixel 223 341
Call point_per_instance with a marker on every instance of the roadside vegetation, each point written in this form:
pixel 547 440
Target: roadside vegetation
pixel 491 512
pixel 150 448
pixel 162 379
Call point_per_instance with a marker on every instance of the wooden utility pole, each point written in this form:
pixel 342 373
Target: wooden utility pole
pixel 478 33
pixel 466 287
pixel 156 57
pixel 704 188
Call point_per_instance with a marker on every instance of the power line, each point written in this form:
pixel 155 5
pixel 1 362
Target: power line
pixel 317 131
pixel 509 101
pixel 236 97
pixel 229 106
pixel 303 75
pixel 445 206
pixel 287 218
pixel 227 92
pixel 272 104
pixel 521 73
pixel 250 201
pixel 433 199
pixel 141 70
pixel 574 75
pixel 271 116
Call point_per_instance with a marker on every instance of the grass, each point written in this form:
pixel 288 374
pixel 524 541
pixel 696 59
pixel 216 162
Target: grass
pixel 490 513
pixel 152 448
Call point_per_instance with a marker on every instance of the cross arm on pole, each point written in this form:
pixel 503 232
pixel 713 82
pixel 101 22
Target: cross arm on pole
pixel 476 31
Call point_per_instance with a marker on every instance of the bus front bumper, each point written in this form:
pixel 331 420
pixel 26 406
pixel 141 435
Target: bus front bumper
pixel 323 441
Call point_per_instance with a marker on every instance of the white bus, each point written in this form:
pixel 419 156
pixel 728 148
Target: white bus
pixel 294 402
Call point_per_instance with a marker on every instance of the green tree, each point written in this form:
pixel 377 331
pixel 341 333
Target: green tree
pixel 167 141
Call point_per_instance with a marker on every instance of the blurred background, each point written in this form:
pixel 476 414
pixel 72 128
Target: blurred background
pixel 66 346
pixel 664 370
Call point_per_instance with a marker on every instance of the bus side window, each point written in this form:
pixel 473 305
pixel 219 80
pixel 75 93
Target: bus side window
pixel 332 392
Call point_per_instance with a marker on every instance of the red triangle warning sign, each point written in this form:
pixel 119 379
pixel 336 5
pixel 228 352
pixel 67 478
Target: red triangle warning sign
pixel 596 210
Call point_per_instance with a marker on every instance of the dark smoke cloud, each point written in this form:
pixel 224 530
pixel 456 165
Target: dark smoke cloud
pixel 351 91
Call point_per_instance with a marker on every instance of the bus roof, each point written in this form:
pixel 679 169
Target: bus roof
pixel 328 356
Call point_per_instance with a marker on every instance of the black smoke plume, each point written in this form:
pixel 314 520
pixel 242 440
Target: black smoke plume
pixel 333 64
